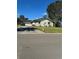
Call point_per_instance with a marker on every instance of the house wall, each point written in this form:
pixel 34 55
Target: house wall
pixel 28 24
pixel 51 24
pixel 46 23
pixel 37 24
pixel 33 24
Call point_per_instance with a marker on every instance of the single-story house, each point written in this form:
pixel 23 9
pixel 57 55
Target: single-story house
pixel 28 24
pixel 35 24
pixel 46 23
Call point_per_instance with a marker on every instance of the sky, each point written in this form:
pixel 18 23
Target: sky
pixel 32 9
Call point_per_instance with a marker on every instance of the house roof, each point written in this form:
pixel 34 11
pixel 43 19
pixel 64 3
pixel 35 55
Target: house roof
pixel 41 19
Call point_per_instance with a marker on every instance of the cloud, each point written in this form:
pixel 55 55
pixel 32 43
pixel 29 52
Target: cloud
pixel 45 13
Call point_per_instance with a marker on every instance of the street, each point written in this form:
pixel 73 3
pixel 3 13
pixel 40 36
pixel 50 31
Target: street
pixel 39 46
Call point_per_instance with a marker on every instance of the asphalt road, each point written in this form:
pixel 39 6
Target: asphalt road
pixel 39 46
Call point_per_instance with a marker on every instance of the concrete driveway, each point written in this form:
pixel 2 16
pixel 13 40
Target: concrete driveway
pixel 30 32
pixel 39 46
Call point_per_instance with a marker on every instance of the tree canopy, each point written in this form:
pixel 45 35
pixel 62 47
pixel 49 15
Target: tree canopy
pixel 54 11
pixel 21 19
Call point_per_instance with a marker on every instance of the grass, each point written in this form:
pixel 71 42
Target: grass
pixel 18 25
pixel 50 29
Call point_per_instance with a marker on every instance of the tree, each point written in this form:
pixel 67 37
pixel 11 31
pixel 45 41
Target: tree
pixel 21 20
pixel 54 11
pixel 18 21
pixel 45 17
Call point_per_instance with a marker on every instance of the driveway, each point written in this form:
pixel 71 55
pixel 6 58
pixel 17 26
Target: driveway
pixel 27 30
pixel 30 32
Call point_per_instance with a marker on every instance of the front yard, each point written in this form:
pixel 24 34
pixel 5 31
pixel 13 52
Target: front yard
pixel 50 29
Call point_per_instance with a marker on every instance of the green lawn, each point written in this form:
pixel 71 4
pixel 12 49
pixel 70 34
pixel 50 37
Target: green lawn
pixel 50 29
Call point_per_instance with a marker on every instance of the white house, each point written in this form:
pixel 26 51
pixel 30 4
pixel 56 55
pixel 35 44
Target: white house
pixel 33 23
pixel 46 23
pixel 37 24
pixel 28 24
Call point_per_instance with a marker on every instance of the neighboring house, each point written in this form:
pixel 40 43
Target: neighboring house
pixel 28 24
pixel 33 23
pixel 46 23
pixel 37 24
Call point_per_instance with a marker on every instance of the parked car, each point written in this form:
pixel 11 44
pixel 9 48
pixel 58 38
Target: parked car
pixel 25 28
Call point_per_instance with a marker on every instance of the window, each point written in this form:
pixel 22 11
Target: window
pixel 48 22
